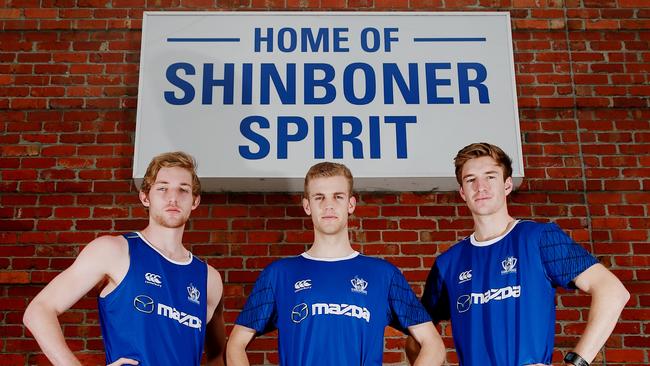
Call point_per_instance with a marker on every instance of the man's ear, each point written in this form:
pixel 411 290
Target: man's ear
pixel 508 185
pixel 144 198
pixel 197 200
pixel 305 206
pixel 352 204
pixel 462 193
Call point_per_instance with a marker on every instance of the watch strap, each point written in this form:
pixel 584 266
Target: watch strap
pixel 575 359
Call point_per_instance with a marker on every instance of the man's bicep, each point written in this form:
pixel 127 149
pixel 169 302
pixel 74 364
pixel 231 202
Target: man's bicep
pixel 215 336
pixel 423 332
pixel 241 336
pixel 88 269
pixel 594 277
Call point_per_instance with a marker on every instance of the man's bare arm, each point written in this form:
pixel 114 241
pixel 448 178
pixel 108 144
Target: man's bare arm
pixel 215 330
pixel 102 257
pixel 425 346
pixel 608 297
pixel 239 339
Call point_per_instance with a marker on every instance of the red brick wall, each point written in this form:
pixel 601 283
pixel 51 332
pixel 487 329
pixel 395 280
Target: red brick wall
pixel 68 86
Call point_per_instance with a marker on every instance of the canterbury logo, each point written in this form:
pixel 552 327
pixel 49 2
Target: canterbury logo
pixel 153 279
pixel 302 285
pixel 465 276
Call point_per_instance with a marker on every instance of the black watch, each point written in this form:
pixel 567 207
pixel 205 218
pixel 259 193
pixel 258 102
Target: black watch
pixel 575 359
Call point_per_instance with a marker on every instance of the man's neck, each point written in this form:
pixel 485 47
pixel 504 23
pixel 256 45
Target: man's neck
pixel 492 226
pixel 168 241
pixel 331 246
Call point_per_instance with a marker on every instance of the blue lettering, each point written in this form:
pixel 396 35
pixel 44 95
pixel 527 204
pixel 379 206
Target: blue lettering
pixel 245 127
pixel 339 37
pixel 410 93
pixel 228 83
pixel 247 84
pixel 338 137
pixel 282 38
pixel 319 137
pixel 286 92
pixel 433 82
pixel 326 83
pixel 389 38
pixel 283 133
pixel 400 133
pixel 268 39
pixel 375 140
pixel 464 83
pixel 348 83
pixel 307 39
pixel 174 79
pixel 376 39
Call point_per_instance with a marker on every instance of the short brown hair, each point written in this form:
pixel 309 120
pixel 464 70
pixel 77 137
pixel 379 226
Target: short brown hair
pixel 328 169
pixel 170 160
pixel 478 150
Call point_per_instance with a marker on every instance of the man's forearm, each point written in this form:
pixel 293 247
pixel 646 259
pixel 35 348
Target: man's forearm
pixel 430 355
pixel 44 325
pixel 606 306
pixel 236 356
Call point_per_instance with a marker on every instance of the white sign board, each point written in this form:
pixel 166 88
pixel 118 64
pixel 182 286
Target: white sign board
pixel 258 98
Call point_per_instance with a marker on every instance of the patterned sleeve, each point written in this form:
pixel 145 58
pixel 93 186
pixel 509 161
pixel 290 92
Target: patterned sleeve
pixel 405 308
pixel 435 297
pixel 563 258
pixel 259 312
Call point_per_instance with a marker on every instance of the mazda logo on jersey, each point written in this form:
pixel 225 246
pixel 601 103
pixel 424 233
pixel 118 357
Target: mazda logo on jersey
pixel 299 312
pixel 143 304
pixel 463 303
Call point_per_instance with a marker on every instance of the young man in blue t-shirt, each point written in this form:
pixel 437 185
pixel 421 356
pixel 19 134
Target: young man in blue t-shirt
pixel 332 304
pixel 157 302
pixel 498 285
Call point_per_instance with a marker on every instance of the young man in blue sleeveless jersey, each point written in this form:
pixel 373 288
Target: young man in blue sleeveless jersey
pixel 498 285
pixel 158 302
pixel 331 304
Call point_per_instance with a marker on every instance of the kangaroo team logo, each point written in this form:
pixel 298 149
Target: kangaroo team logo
pixel 193 294
pixel 359 285
pixel 509 265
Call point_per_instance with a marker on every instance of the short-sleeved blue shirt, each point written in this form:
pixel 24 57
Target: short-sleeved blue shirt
pixel 500 294
pixel 331 312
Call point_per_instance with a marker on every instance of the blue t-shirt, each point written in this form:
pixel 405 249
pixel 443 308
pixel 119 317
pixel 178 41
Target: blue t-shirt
pixel 500 294
pixel 156 315
pixel 331 312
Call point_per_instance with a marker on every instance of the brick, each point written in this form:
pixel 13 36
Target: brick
pixel 14 277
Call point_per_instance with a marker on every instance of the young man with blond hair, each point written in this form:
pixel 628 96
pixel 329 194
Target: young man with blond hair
pixel 332 304
pixel 157 301
pixel 498 285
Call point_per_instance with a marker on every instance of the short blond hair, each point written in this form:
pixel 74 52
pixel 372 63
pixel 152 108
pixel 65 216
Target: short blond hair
pixel 328 169
pixel 170 160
